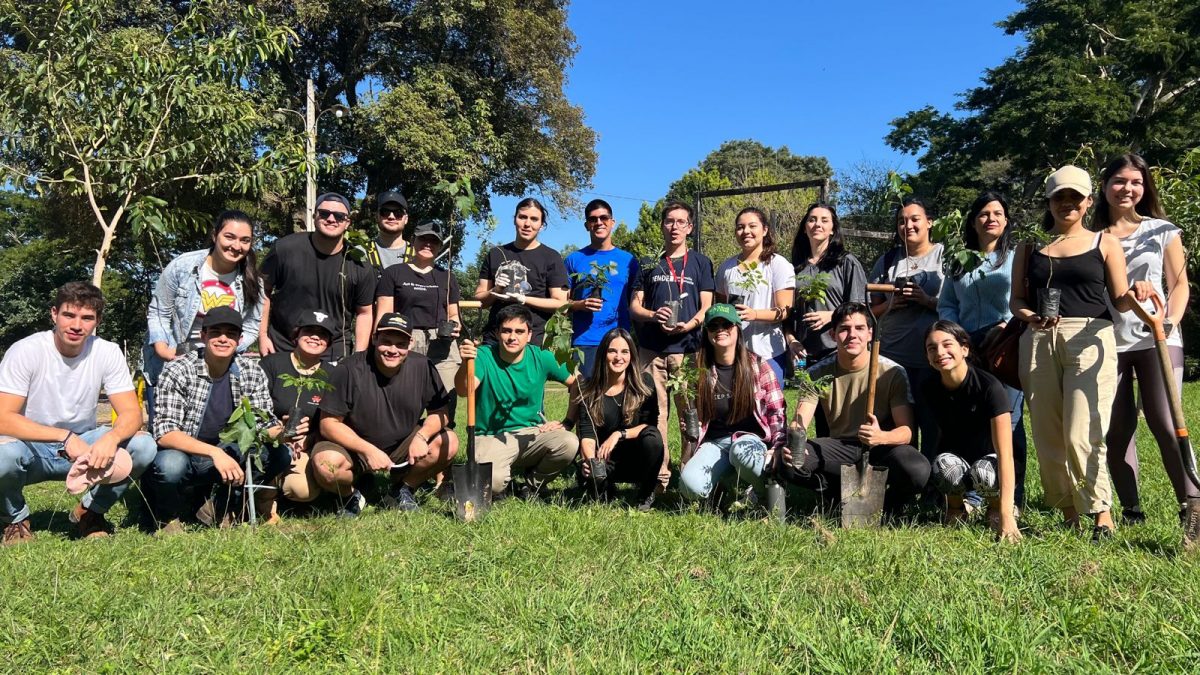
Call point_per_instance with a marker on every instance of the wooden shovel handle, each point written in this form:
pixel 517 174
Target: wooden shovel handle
pixel 1153 321
pixel 469 304
pixel 881 288
pixel 872 377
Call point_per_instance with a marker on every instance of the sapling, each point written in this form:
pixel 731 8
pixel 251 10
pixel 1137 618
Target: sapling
pixel 303 384
pixel 683 385
pixel 591 284
pixel 806 387
pixel 753 278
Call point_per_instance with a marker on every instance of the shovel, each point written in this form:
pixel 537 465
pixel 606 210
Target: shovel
pixel 472 481
pixel 863 485
pixel 1191 511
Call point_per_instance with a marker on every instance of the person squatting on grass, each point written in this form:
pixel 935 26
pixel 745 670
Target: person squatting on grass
pixel 192 459
pixel 371 420
pixel 974 449
pixel 763 285
pixel 887 434
pixel 1068 357
pixel 1153 247
pixel 49 386
pixel 743 416
pixel 511 378
pixel 618 420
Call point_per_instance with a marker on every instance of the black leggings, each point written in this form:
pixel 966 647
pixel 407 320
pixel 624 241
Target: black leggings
pixel 637 461
pixel 908 469
pixel 1122 450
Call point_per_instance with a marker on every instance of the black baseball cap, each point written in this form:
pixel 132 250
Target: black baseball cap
pixel 334 197
pixel 393 197
pixel 394 321
pixel 313 319
pixel 428 229
pixel 222 316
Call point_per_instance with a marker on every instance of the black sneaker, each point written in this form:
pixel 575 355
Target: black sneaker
pixel 1133 516
pixel 647 504
pixel 402 499
pixel 352 505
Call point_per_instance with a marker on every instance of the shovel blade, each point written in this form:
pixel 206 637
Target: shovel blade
pixel 862 495
pixel 1191 525
pixel 472 491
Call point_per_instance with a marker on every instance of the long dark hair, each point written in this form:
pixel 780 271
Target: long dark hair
pixel 248 267
pixel 971 236
pixel 897 240
pixel 741 402
pixel 802 248
pixel 768 247
pixel 1149 205
pixel 636 391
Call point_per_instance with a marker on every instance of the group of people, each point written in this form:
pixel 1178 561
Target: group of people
pixel 363 360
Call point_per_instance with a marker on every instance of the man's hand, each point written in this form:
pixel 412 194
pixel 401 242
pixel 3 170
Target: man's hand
pixel 101 454
pixel 378 460
pixel 588 305
pixel 76 447
pixel 662 315
pixel 467 350
pixel 550 426
pixel 418 449
pixel 301 429
pixel 869 434
pixel 502 280
pixel 228 468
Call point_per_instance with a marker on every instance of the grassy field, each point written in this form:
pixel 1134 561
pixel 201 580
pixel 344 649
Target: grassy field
pixel 569 587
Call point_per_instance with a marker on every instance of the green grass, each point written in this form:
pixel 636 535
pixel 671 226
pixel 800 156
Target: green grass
pixel 557 587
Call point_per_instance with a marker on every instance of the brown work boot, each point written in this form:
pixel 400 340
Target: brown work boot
pixel 265 508
pixel 17 533
pixel 209 514
pixel 89 524
pixel 174 526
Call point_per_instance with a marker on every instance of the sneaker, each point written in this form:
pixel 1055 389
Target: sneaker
pixel 402 499
pixel 647 504
pixel 209 514
pixel 352 505
pixel 17 533
pixel 89 524
pixel 174 526
pixel 1133 516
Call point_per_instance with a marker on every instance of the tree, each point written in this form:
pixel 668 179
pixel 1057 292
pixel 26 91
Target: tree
pixel 123 109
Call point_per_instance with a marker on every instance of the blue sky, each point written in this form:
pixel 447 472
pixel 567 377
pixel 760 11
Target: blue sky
pixel 665 83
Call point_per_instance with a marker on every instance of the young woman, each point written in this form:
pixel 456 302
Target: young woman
pixel 819 249
pixel 978 299
pixel 1131 212
pixel 618 422
pixel 915 267
pixel 759 283
pixel 1068 358
pixel 224 274
pixel 314 336
pixel 975 444
pixel 741 408
pixel 428 297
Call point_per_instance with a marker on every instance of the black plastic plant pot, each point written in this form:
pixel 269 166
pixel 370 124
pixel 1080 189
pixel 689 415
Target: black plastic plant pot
pixel 737 300
pixel 599 469
pixel 294 418
pixel 691 423
pixel 796 438
pixel 446 329
pixel 1048 300
pixel 674 306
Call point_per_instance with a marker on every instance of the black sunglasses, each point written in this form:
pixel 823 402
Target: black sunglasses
pixel 392 213
pixel 340 217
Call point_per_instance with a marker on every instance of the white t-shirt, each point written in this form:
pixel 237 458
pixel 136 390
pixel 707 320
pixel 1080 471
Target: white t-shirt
pixel 764 339
pixel 1145 257
pixel 59 391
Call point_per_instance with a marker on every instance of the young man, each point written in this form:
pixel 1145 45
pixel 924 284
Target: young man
pixel 390 247
pixel 523 272
pixel 887 434
pixel 313 271
pixel 49 386
pixel 371 420
pixel 191 456
pixel 669 300
pixel 510 379
pixel 597 313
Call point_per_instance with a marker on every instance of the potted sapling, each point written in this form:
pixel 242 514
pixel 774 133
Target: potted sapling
pixel 753 278
pixel 1046 300
pixel 806 387
pixel 303 384
pixel 812 292
pixel 591 284
pixel 683 385
pixel 558 335
pixel 247 430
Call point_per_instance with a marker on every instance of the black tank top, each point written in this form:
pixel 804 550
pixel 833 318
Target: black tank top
pixel 1081 278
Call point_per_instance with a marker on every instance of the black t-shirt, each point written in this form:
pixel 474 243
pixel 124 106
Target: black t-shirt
pixel 284 397
pixel 383 410
pixel 965 414
pixel 613 416
pixel 303 278
pixel 419 296
pixel 536 271
pixel 217 410
pixel 658 285
pixel 721 426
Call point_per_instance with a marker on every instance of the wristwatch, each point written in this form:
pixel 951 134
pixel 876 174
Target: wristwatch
pixel 624 434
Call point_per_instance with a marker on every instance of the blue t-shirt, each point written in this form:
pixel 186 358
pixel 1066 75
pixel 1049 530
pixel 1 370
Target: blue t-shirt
pixel 590 327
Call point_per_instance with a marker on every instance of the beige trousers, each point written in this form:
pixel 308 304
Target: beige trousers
pixel 443 353
pixel 1069 374
pixel 543 455
pixel 660 367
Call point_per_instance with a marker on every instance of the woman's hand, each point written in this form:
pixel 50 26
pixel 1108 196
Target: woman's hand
pixel 1008 531
pixel 164 352
pixel 913 292
pixel 817 320
pixel 1142 290
pixel 744 312
pixel 607 446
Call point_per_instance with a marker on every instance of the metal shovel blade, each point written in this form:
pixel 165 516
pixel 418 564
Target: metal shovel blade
pixel 1191 525
pixel 863 489
pixel 472 491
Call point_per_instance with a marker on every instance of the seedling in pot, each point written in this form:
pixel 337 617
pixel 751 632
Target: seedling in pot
pixel 683 385
pixel 303 384
pixel 753 278
pixel 806 387
pixel 591 284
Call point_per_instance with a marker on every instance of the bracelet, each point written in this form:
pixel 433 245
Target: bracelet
pixel 422 437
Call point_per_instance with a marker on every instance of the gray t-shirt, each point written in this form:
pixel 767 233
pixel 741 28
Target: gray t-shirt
pixel 1145 257
pixel 391 256
pixel 902 335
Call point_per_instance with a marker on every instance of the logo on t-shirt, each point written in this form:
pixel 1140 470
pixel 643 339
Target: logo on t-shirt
pixel 216 293
pixel 519 275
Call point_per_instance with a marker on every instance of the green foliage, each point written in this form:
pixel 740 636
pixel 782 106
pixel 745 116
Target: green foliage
pixel 685 381
pixel 593 282
pixel 813 289
pixel 247 427
pixel 318 380
pixel 558 339
pixel 358 244
pixel 807 387
pixel 753 276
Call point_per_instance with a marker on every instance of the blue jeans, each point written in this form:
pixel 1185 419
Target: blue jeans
pixel 718 459
pixel 27 462
pixel 1019 444
pixel 589 360
pixel 175 473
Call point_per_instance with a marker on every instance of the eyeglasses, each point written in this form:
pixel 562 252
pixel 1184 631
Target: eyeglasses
pixel 391 213
pixel 599 219
pixel 326 214
pixel 718 326
pixel 676 223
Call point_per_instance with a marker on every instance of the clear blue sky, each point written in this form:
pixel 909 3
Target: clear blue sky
pixel 665 83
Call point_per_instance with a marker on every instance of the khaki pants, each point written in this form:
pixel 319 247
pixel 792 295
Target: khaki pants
pixel 443 353
pixel 1069 374
pixel 660 367
pixel 297 483
pixel 543 455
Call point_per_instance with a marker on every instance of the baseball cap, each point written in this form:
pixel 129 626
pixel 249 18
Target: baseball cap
pixel 1071 177
pixel 392 197
pixel 722 311
pixel 311 318
pixel 428 229
pixel 334 197
pixel 394 321
pixel 81 476
pixel 222 316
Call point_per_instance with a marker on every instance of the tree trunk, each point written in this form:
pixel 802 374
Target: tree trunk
pixel 102 253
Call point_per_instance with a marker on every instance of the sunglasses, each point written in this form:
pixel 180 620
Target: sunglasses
pixel 391 213
pixel 325 214
pixel 718 326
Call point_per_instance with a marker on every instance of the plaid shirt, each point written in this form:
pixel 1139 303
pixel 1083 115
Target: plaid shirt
pixel 183 387
pixel 770 408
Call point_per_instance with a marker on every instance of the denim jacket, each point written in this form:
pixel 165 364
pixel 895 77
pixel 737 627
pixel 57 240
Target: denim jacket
pixel 174 305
